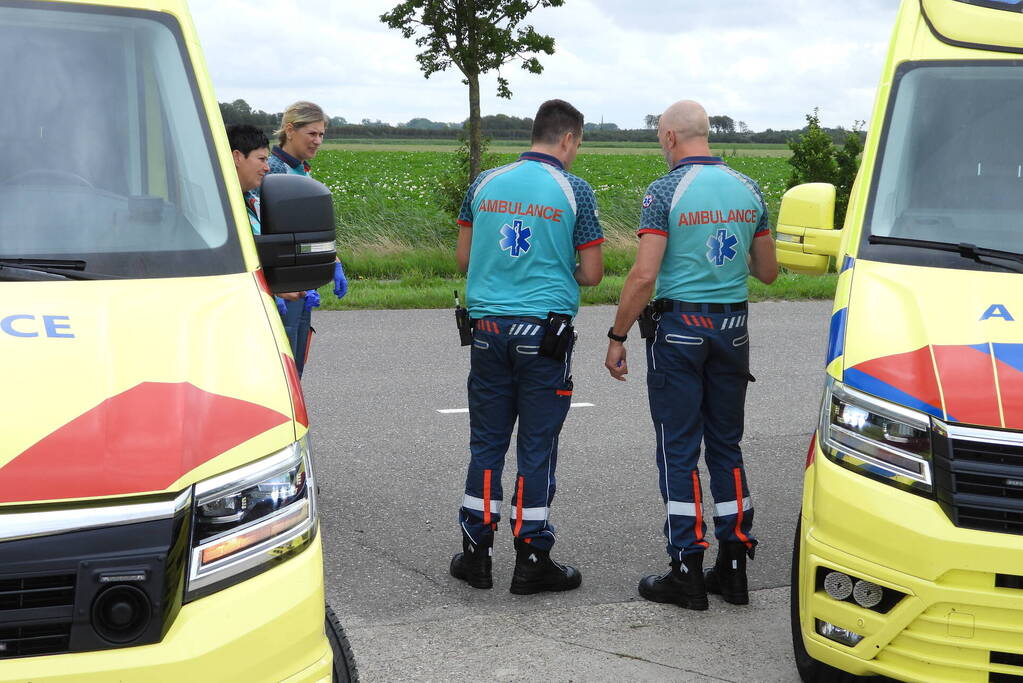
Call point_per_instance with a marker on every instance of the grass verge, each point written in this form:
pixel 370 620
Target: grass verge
pixel 433 291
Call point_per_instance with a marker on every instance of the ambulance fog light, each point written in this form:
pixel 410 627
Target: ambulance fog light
pixel 867 594
pixel 120 614
pixel 838 585
pixel 838 634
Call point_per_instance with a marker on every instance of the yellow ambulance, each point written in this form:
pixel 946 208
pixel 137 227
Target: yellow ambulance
pixel 908 556
pixel 158 516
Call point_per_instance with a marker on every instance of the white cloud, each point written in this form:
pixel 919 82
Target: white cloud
pixel 766 62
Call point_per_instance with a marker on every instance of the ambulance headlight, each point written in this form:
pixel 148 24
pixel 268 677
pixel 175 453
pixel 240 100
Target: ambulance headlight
pixel 876 437
pixel 249 519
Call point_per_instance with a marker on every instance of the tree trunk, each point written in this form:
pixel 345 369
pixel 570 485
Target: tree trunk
pixel 475 134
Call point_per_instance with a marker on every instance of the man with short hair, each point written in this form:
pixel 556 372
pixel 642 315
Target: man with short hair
pixel 522 227
pixel 250 149
pixel 703 231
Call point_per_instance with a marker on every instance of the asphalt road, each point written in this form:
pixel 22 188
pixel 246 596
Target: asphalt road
pixel 391 470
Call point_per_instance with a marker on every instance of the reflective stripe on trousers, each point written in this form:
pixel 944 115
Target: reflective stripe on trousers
pixel 510 382
pixel 697 373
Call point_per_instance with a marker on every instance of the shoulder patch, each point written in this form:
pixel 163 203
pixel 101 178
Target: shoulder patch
pixel 647 201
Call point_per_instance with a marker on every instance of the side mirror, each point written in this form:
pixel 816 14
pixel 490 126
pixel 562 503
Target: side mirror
pixel 806 235
pixel 296 247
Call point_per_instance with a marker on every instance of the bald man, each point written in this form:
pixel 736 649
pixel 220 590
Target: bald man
pixel 703 231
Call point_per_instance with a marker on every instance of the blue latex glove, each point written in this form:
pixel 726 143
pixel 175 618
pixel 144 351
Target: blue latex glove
pixel 282 306
pixel 312 299
pixel 340 281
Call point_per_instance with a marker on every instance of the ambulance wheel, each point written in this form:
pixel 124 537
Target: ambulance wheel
pixel 345 670
pixel 810 670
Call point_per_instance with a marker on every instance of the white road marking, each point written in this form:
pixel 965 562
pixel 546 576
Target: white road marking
pixel 449 411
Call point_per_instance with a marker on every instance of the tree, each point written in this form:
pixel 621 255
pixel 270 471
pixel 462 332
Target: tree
pixel 425 124
pixel 722 124
pixel 652 120
pixel 815 159
pixel 847 159
pixel 476 36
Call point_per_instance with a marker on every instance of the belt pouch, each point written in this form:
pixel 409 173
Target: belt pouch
pixel 557 336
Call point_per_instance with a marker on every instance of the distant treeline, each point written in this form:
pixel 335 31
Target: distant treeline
pixel 503 127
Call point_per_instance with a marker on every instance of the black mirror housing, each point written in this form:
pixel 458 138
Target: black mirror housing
pixel 296 247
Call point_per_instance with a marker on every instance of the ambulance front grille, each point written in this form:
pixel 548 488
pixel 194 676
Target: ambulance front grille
pixel 980 484
pixel 28 641
pixel 36 614
pixel 37 591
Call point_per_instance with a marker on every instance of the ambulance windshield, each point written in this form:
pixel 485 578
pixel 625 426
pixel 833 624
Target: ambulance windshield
pixel 950 163
pixel 107 157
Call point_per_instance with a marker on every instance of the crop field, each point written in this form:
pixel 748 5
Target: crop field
pixel 389 200
pixel 397 239
pixel 515 146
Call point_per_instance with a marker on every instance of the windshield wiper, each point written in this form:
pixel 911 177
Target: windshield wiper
pixel 56 269
pixel 964 249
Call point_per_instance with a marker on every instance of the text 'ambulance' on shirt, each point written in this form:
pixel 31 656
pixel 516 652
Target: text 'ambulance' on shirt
pixel 710 214
pixel 528 219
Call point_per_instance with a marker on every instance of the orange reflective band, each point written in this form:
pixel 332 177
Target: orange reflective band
pixel 737 474
pixel 698 504
pixel 486 496
pixel 518 507
pixel 563 392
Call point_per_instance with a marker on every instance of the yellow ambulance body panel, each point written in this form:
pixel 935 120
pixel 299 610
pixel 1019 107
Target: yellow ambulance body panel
pixel 908 558
pixel 158 516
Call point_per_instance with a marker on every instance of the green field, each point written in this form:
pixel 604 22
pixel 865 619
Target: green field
pixel 514 146
pixel 397 241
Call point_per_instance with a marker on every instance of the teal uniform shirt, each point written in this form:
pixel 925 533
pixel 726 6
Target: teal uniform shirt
pixel 528 219
pixel 252 208
pixel 710 214
pixel 282 162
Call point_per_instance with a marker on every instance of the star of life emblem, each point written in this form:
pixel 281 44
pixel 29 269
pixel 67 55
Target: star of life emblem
pixel 515 238
pixel 722 247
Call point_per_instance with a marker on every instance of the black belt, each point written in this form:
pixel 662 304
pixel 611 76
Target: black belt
pixel 527 318
pixel 670 305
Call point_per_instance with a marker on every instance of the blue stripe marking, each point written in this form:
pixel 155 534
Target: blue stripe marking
pixel 847 263
pixel 1010 354
pixel 858 379
pixel 836 336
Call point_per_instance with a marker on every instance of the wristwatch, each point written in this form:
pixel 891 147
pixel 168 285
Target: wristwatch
pixel 611 335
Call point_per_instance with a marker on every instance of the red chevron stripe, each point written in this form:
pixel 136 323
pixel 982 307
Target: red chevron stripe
pixel 968 384
pixel 141 440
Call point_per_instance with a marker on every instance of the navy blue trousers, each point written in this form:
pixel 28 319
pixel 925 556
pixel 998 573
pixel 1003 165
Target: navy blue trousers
pixel 508 382
pixel 697 373
pixel 297 322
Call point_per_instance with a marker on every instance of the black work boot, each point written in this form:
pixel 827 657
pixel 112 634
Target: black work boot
pixel 682 585
pixel 535 572
pixel 727 577
pixel 473 564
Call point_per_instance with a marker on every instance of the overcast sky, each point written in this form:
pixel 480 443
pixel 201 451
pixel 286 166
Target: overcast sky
pixel 765 62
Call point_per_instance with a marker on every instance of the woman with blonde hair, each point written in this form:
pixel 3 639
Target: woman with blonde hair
pixel 299 138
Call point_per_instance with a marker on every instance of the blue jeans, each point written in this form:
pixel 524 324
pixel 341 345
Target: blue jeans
pixel 697 373
pixel 509 381
pixel 297 325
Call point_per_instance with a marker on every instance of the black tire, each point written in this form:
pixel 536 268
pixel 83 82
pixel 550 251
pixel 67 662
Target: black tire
pixel 810 670
pixel 345 670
